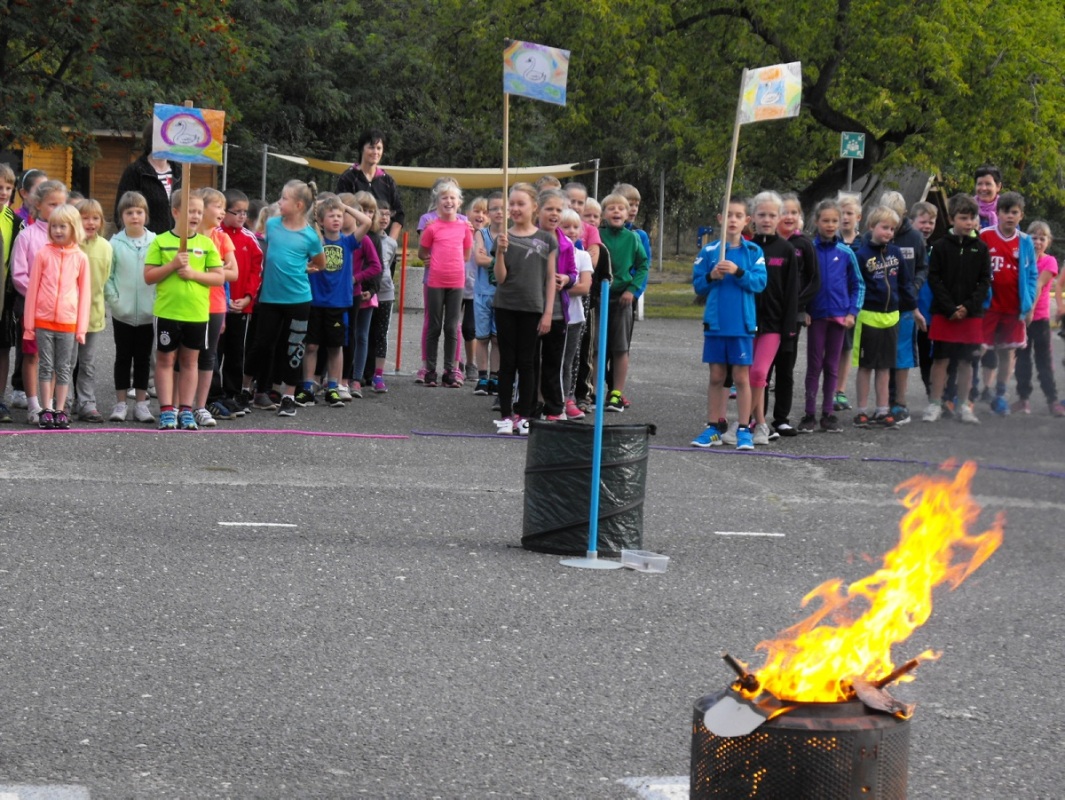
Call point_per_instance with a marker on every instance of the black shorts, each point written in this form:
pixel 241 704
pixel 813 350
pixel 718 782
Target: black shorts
pixel 619 326
pixel 10 328
pixel 170 334
pixel 955 350
pixel 877 347
pixel 327 327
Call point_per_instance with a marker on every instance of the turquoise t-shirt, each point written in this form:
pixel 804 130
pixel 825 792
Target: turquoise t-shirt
pixel 285 277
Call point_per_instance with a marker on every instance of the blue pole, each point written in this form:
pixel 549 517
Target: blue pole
pixel 600 403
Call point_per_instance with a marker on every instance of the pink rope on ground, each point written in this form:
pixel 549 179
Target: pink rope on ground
pixel 19 432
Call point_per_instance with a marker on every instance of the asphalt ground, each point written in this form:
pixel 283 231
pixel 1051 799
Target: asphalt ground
pixel 397 642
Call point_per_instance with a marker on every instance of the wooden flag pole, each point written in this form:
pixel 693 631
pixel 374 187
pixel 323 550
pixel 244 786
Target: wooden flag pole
pixel 186 179
pixel 731 168
pixel 506 146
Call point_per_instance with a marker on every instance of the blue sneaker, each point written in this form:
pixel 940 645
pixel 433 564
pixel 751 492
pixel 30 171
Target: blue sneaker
pixel 1000 405
pixel 168 420
pixel 710 437
pixel 744 439
pixel 187 421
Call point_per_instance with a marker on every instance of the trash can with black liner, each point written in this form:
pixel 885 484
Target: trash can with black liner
pixel 558 475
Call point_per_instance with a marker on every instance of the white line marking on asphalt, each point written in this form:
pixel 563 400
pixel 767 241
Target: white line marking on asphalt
pixel 674 787
pixel 29 791
pixel 260 524
pixel 749 533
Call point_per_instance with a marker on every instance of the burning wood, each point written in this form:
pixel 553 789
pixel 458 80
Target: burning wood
pixel 847 640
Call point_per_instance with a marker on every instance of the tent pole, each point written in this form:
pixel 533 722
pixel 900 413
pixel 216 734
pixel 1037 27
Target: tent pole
pixel 661 217
pixel 262 191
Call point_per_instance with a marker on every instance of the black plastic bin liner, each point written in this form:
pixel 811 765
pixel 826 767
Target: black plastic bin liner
pixel 558 477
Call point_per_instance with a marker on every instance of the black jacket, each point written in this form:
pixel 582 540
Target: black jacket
pixel 383 187
pixel 140 176
pixel 777 305
pixel 959 274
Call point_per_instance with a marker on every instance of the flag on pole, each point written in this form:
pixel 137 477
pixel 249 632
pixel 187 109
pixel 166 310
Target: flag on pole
pixel 187 135
pixel 771 93
pixel 536 71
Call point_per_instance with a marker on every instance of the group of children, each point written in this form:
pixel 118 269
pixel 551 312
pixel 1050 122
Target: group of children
pixel 516 305
pixel 884 302
pixel 220 318
pixel 521 295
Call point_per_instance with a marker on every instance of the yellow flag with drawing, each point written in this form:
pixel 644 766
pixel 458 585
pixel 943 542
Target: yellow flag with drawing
pixel 771 93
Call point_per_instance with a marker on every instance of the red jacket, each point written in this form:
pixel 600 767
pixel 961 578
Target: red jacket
pixel 249 266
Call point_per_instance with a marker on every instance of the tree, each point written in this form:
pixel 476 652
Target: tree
pixel 68 67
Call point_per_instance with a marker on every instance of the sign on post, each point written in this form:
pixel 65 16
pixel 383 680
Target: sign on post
pixel 187 135
pixel 851 145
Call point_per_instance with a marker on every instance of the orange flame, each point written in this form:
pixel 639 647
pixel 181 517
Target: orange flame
pixel 817 659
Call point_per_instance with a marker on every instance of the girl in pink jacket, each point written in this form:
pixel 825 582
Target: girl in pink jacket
pixel 58 301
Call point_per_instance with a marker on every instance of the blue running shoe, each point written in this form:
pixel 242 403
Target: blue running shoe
pixel 1000 405
pixel 168 420
pixel 710 437
pixel 187 421
pixel 744 439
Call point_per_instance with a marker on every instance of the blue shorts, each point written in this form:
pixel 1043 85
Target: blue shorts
pixel 906 354
pixel 735 351
pixel 484 316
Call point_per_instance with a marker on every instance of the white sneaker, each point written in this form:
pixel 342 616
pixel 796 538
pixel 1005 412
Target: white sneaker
pixel 118 413
pixel 934 412
pixel 761 434
pixel 966 414
pixel 505 426
pixel 33 415
pixel 345 393
pixel 142 412
pixel 203 418
pixel 18 400
pixel 729 436
pixel 521 427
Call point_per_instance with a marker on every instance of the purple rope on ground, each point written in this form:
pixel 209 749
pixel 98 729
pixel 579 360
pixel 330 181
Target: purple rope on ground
pixel 992 467
pixel 502 437
pixel 216 431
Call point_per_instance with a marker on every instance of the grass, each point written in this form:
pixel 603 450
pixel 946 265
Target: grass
pixel 669 293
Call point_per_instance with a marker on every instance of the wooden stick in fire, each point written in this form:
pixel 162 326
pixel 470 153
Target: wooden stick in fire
pixel 747 679
pixel 897 673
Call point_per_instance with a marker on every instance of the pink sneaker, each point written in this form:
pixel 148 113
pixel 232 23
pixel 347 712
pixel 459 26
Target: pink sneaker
pixel 420 375
pixel 1057 409
pixel 1021 407
pixel 572 412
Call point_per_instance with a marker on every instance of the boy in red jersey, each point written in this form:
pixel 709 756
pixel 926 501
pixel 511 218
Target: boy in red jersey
pixel 1013 284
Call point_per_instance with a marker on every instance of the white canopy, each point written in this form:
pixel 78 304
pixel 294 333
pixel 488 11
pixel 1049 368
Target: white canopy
pixel 423 177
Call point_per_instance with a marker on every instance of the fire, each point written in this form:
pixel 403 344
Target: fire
pixel 851 633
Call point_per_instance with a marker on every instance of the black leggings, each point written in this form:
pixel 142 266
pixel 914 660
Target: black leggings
pixel 1039 341
pixel 133 349
pixel 280 331
pixel 518 334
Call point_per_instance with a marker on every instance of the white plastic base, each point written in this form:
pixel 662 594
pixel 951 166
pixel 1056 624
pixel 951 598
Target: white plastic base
pixel 590 561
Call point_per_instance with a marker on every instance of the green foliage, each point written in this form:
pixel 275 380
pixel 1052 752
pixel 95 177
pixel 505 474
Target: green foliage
pixel 943 85
pixel 70 66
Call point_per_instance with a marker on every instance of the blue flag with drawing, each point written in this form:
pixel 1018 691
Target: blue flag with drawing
pixel 536 71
